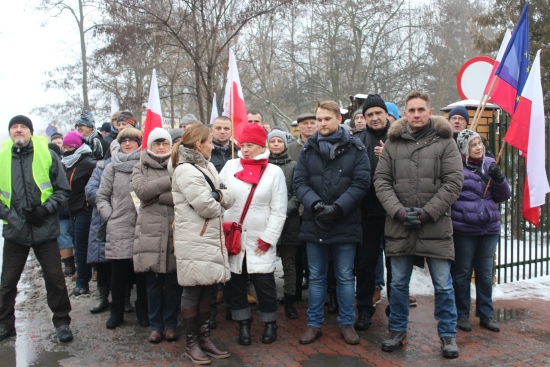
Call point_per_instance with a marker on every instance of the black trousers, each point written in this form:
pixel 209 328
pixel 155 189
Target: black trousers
pixel 47 254
pixel 103 274
pixel 264 284
pixel 367 258
pixel 122 277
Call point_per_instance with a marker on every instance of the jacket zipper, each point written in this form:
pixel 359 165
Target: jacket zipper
pixel 25 187
pixel 204 227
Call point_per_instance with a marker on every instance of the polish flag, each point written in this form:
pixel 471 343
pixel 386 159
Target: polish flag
pixel 114 105
pixel 527 133
pixel 500 54
pixel 153 118
pixel 233 100
pixel 214 114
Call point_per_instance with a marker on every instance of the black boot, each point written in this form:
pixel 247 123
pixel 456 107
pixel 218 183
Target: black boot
pixel 332 303
pixel 117 315
pixel 244 332
pixel 142 314
pixel 70 267
pixel 127 304
pixel 270 332
pixel 103 300
pixel 290 310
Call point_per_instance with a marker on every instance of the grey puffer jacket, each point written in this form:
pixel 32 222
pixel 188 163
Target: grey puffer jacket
pixel 153 243
pixel 425 173
pixel 25 194
pixel 116 206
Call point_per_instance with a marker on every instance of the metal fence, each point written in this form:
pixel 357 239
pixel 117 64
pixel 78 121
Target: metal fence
pixel 523 251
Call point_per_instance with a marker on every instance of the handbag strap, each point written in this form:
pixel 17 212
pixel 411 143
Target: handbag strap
pixel 249 199
pixel 205 176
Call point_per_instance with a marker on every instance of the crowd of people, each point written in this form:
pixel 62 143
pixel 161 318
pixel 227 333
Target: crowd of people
pixel 420 188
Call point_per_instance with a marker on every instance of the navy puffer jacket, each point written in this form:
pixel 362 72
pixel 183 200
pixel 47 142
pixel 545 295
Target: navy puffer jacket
pixel 475 215
pixel 343 180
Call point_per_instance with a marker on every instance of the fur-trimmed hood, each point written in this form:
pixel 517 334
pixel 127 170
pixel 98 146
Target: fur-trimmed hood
pixel 441 126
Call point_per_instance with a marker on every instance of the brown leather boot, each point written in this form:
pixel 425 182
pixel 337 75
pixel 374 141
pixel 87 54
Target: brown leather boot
pixel 193 351
pixel 205 342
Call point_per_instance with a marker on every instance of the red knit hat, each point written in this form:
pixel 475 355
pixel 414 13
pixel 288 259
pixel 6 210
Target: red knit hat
pixel 254 133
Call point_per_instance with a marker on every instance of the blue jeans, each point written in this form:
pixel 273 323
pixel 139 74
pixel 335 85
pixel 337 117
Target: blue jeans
pixel 445 308
pixel 81 231
pixel 344 257
pixel 65 238
pixel 474 253
pixel 163 299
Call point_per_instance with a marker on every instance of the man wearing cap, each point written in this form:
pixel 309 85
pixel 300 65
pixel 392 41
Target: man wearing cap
pixel 188 119
pixel 393 112
pixel 358 122
pixel 85 125
pixel 221 138
pixel 307 125
pixel 418 177
pixel 331 179
pixel 373 214
pixel 105 129
pixel 57 139
pixel 459 119
pixel 33 187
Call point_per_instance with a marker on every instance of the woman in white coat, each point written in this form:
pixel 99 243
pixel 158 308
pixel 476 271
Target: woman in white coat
pixel 200 199
pixel 262 228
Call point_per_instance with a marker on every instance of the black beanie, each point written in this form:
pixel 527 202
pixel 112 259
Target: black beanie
pixel 23 120
pixel 374 100
pixel 461 111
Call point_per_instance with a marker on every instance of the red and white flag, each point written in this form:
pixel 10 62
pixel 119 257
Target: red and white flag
pixel 233 100
pixel 500 54
pixel 527 133
pixel 214 114
pixel 153 118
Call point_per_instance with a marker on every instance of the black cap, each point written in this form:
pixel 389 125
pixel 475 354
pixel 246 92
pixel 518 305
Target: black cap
pixel 55 136
pixel 374 100
pixel 106 127
pixel 23 120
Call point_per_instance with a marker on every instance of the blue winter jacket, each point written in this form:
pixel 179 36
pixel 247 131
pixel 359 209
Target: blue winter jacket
pixel 343 180
pixel 96 247
pixel 475 215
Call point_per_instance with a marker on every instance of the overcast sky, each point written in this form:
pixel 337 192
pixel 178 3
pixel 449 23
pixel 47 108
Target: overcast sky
pixel 28 51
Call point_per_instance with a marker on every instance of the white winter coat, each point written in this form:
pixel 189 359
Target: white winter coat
pixel 265 218
pixel 201 256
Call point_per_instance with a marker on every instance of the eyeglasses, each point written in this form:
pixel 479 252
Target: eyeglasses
pixel 161 144
pixel 128 140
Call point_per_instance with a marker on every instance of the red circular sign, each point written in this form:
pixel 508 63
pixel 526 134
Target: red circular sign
pixel 473 76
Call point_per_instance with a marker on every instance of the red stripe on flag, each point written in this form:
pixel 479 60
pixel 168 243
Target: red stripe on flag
pixel 518 132
pixel 532 215
pixel 504 95
pixel 240 118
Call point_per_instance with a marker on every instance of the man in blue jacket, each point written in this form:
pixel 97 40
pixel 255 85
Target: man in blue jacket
pixel 331 179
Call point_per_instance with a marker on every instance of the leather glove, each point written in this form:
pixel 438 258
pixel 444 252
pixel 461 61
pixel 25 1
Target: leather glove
pixel 262 245
pixel 36 215
pixel 495 173
pixel 318 207
pixel 216 196
pixel 329 215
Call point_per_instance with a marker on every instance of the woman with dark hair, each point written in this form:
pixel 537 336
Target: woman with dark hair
pixel 200 199
pixel 116 206
pixel 252 174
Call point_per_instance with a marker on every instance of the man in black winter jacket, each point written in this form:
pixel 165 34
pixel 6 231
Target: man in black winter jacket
pixel 221 138
pixel 33 187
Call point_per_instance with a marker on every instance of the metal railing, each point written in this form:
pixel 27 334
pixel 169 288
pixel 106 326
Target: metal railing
pixel 523 250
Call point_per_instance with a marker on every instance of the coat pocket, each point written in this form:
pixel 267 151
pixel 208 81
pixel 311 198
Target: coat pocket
pixel 204 227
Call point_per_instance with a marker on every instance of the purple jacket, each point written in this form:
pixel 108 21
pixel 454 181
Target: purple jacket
pixel 474 215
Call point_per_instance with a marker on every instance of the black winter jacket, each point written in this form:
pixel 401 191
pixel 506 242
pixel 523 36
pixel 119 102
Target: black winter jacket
pixel 79 175
pixel 221 154
pixel 25 194
pixel 343 180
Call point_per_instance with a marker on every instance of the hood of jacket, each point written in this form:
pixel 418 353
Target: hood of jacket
pixel 441 126
pixel 186 155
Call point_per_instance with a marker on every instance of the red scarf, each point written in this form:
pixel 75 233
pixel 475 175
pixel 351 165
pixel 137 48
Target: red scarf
pixel 252 170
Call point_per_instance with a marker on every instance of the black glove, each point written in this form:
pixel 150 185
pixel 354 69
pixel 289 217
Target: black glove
pixel 329 215
pixel 318 207
pixel 495 173
pixel 216 196
pixel 36 215
pixel 223 187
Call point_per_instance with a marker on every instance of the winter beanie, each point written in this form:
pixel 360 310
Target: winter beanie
pixel 175 133
pixel 23 120
pixel 187 119
pixel 279 134
pixel 254 133
pixel 374 100
pixel 86 118
pixel 106 127
pixel 463 141
pixel 462 111
pixel 158 133
pixel 73 139
pixel 393 110
pixel 126 116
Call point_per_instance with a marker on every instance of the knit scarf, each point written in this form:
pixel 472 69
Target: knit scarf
pixel 70 160
pixel 252 170
pixel 326 143
pixel 94 141
pixel 123 162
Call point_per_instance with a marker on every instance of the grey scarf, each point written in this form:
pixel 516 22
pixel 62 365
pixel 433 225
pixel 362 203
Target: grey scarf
pixel 95 143
pixel 123 162
pixel 71 160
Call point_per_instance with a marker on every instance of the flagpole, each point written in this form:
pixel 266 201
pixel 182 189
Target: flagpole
pixel 483 104
pixel 496 162
pixel 232 114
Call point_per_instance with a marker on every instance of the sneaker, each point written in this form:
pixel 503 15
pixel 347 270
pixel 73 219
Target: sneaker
pixel 412 301
pixel 377 296
pixel 449 347
pixel 6 332
pixel 463 324
pixel 349 334
pixel 489 324
pixel 64 334
pixel 78 292
pixel 311 334
pixel 395 340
